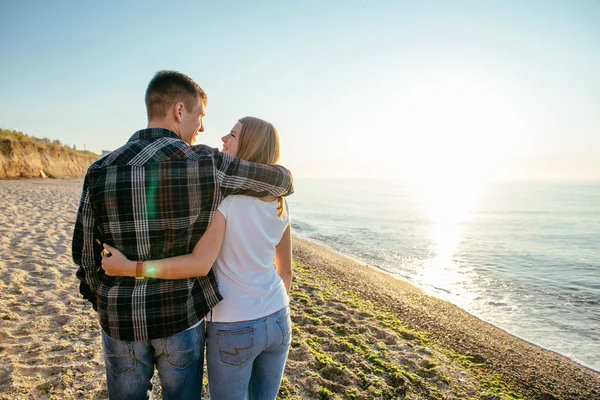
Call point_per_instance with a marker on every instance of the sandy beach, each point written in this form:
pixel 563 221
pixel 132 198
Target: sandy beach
pixel 359 333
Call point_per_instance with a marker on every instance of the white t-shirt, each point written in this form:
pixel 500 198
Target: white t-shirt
pixel 245 269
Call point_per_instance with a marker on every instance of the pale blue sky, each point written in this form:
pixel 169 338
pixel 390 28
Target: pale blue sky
pixel 370 88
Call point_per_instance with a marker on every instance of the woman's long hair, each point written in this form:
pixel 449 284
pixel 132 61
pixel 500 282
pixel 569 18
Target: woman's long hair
pixel 259 142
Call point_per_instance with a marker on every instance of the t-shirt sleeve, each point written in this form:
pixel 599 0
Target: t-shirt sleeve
pixel 223 206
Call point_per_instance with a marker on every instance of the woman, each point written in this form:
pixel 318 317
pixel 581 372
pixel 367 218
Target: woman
pixel 249 332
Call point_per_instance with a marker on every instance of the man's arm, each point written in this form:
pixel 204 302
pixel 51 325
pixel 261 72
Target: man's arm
pixel 83 246
pixel 237 176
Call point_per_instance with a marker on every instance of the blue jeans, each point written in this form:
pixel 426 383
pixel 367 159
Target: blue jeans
pixel 178 358
pixel 247 357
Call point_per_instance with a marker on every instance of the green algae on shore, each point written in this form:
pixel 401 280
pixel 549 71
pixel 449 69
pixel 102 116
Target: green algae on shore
pixel 346 346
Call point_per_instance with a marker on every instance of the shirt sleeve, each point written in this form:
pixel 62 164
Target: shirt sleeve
pixel 84 247
pixel 237 176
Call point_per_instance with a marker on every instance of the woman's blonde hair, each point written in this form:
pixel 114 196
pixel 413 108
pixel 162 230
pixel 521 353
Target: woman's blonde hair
pixel 258 142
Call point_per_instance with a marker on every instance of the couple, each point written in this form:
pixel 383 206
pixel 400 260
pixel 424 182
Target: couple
pixel 168 207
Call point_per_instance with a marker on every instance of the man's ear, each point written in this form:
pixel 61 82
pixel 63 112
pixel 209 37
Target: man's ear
pixel 178 110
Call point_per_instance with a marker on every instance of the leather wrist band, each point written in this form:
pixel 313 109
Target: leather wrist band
pixel 138 269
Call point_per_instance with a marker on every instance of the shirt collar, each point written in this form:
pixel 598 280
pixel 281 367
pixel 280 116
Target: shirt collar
pixel 153 134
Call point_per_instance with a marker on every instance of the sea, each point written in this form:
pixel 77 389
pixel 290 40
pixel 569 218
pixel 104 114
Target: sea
pixel 523 256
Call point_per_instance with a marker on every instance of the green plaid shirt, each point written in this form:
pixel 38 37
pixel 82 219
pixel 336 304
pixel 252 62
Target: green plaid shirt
pixel 154 198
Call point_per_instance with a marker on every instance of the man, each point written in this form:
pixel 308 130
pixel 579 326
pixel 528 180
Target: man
pixel 154 198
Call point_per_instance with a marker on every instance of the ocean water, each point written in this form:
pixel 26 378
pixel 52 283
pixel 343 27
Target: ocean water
pixel 524 257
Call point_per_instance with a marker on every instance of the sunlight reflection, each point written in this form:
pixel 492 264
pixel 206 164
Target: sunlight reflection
pixel 448 205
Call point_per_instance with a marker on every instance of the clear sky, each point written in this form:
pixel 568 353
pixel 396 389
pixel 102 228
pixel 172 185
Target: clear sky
pixel 426 90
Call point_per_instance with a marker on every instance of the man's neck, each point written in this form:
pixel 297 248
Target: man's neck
pixel 163 125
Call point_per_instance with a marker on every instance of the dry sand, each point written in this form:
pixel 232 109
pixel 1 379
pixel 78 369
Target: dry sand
pixel 49 340
pixel 359 333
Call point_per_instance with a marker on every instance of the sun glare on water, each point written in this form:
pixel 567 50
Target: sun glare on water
pixel 459 132
pixel 448 207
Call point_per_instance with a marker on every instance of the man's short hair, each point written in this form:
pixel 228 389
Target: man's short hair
pixel 168 88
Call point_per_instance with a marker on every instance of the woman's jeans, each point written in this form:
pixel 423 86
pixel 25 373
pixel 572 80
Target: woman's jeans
pixel 178 358
pixel 247 357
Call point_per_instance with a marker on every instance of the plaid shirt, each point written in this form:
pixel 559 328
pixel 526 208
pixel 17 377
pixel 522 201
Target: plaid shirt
pixel 154 198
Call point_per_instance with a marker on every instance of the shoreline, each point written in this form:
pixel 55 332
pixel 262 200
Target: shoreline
pixel 378 269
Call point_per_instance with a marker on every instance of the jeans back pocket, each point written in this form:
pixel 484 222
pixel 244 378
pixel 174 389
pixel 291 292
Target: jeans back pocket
pixel 118 355
pixel 235 347
pixel 285 323
pixel 183 348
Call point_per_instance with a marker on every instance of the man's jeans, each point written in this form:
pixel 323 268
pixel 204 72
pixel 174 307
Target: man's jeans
pixel 178 358
pixel 247 357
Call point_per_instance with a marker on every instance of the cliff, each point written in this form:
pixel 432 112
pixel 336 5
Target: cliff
pixel 23 156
